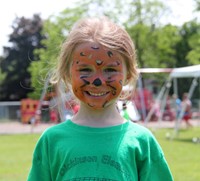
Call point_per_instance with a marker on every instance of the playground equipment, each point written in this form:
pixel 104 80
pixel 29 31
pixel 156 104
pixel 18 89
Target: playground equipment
pixel 183 72
pixel 148 115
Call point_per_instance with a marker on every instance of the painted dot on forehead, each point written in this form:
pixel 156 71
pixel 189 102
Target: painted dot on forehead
pixel 110 54
pixel 95 47
pixel 99 62
pixel 82 54
pixel 90 56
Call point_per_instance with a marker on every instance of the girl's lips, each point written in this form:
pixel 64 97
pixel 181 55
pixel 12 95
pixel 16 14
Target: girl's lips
pixel 99 94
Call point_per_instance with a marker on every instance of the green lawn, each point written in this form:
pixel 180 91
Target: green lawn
pixel 182 154
pixel 16 155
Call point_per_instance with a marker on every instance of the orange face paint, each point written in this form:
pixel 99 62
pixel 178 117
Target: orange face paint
pixel 97 75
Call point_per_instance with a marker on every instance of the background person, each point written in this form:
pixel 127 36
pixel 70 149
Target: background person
pixel 187 105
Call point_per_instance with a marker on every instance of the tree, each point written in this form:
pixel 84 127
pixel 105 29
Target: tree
pixel 165 40
pixel 193 55
pixel 156 44
pixel 138 17
pixel 2 77
pixel 187 47
pixel 56 29
pixel 26 37
pixel 187 51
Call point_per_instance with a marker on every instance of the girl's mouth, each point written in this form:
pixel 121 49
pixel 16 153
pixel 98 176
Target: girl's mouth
pixel 96 94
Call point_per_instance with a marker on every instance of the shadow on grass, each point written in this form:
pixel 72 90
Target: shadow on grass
pixel 186 140
pixel 184 135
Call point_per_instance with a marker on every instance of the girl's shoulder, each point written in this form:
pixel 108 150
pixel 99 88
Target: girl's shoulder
pixel 56 129
pixel 139 128
pixel 140 132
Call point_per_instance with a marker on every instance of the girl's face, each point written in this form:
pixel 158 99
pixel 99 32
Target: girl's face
pixel 97 75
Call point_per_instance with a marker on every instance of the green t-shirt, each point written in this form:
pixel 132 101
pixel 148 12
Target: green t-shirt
pixel 70 152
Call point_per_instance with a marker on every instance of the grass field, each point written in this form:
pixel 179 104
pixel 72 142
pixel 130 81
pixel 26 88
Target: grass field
pixel 182 154
pixel 16 155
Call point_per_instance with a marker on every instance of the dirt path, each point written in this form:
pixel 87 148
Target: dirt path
pixel 19 128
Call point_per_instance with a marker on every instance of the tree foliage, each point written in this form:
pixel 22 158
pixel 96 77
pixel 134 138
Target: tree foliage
pixel 36 44
pixel 123 12
pixel 193 55
pixel 56 29
pixel 24 39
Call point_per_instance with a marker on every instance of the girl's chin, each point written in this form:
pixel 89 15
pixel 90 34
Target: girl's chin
pixel 99 105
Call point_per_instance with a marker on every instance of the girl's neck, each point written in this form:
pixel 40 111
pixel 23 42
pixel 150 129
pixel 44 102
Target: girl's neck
pixel 108 116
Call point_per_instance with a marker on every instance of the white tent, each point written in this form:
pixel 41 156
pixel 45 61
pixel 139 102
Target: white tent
pixel 191 71
pixel 176 73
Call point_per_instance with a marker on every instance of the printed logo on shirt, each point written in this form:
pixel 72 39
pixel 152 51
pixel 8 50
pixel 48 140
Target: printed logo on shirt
pixel 105 160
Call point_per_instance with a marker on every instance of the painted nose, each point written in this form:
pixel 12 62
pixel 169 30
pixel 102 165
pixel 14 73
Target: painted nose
pixel 97 82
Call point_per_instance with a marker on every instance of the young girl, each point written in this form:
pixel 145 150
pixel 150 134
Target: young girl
pixel 97 144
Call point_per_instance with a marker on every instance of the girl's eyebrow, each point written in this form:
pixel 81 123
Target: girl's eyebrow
pixel 83 65
pixel 114 64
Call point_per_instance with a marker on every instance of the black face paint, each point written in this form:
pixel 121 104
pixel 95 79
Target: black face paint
pixel 109 81
pixel 113 93
pixel 110 54
pixel 82 54
pixel 85 83
pixel 90 105
pixel 112 87
pixel 104 104
pixel 97 82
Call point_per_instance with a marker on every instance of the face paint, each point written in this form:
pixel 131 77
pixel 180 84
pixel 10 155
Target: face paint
pixel 97 75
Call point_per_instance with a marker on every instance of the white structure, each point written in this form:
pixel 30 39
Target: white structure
pixel 183 72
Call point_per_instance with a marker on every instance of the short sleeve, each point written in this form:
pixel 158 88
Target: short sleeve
pixel 157 170
pixel 40 169
pixel 154 166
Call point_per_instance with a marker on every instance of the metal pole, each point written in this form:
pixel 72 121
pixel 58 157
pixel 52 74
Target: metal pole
pixel 175 86
pixel 164 100
pixel 141 95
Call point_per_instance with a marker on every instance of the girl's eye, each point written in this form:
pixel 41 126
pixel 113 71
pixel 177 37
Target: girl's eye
pixel 109 70
pixel 85 70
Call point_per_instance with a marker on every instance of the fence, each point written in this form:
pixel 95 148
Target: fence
pixel 10 110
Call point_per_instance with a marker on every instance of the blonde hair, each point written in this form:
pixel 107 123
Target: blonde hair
pixel 104 32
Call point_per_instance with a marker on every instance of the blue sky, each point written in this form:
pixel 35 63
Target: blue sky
pixel 9 9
